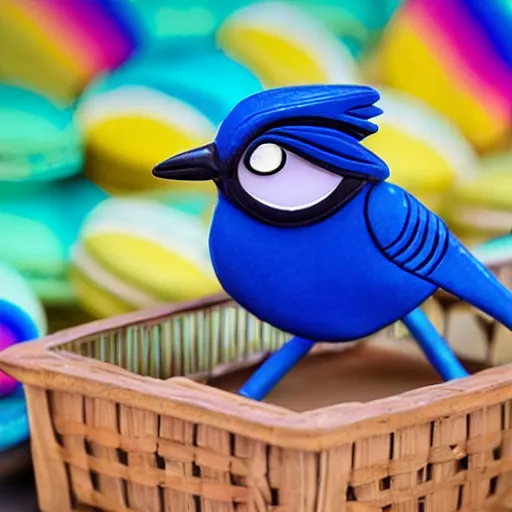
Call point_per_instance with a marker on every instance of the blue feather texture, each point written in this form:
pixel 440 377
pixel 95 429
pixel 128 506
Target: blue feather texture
pixel 324 122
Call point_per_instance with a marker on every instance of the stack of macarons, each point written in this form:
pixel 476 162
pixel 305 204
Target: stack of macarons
pixel 22 318
pixel 134 252
pixel 426 153
pixel 42 196
pixel 461 46
pixel 147 111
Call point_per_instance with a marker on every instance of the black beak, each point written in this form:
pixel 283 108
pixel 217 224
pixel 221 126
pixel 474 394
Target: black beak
pixel 199 164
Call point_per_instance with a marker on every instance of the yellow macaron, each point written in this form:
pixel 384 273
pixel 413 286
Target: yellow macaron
pixel 481 208
pixel 284 45
pixel 426 153
pixel 148 111
pixel 134 252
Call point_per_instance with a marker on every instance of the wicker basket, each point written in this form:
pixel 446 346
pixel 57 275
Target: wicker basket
pixel 115 426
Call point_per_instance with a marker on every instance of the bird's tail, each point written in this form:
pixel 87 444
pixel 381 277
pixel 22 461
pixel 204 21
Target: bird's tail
pixel 463 275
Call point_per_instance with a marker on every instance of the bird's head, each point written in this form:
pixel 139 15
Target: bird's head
pixel 289 156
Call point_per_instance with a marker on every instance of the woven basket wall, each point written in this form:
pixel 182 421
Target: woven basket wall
pixel 116 427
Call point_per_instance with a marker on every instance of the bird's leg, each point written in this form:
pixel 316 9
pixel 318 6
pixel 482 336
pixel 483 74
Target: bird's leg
pixel 434 346
pixel 268 375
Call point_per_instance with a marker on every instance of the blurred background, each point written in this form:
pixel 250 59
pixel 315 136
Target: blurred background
pixel 93 93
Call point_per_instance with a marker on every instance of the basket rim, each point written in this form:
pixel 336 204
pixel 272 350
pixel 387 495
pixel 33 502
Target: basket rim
pixel 36 364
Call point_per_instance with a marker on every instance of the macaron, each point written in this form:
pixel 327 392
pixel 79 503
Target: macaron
pixel 22 317
pixel 285 45
pixel 30 56
pixel 38 229
pixel 57 47
pixel 14 428
pixel 182 25
pixel 144 113
pixel 426 153
pixel 134 252
pixel 356 24
pixel 495 252
pixel 481 208
pixel 434 46
pixel 495 19
pixel 38 138
pixel 197 204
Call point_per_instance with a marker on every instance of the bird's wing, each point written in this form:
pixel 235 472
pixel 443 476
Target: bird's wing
pixel 417 240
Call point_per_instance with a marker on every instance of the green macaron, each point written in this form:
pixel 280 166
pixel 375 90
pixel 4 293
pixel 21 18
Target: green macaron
pixel 38 138
pixel 38 230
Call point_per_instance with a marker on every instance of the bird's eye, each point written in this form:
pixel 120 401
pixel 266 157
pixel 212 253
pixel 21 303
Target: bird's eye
pixel 282 180
pixel 266 159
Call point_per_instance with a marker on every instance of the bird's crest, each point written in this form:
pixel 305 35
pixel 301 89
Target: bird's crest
pixel 323 123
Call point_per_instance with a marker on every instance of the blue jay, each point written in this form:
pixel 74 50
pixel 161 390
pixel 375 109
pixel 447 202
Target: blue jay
pixel 308 236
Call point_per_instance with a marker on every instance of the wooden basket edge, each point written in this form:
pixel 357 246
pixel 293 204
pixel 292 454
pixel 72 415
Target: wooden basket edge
pixel 311 431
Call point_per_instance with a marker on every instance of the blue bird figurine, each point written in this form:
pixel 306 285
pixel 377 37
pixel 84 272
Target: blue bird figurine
pixel 308 236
